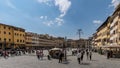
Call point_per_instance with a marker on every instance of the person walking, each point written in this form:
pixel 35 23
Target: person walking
pixel 49 57
pixel 38 54
pixel 60 57
pixel 90 54
pixel 108 54
pixel 79 57
pixel 6 54
pixel 41 54
pixel 82 55
pixel 87 54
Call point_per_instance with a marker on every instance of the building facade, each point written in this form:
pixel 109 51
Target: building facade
pixel 35 41
pixel 109 32
pixel 11 37
pixel 115 27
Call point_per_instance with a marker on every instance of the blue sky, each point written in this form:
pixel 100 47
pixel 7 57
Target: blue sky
pixel 57 17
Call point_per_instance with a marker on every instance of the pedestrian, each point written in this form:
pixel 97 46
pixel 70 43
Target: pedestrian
pixel 111 53
pixel 6 54
pixel 72 53
pixel 90 54
pixel 87 54
pixel 38 54
pixel 60 57
pixel 82 55
pixel 49 57
pixel 41 54
pixel 108 54
pixel 79 57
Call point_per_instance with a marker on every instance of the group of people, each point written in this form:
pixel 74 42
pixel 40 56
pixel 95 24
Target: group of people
pixel 39 54
pixel 80 55
pixel 8 53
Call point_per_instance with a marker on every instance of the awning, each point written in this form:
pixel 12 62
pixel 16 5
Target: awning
pixel 111 46
pixel 56 49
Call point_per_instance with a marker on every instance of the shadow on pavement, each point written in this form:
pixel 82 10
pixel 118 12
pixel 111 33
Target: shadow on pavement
pixel 114 59
pixel 83 63
pixel 94 60
pixel 66 62
pixel 42 59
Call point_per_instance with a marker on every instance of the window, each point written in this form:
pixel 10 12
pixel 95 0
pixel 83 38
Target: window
pixel 4 39
pixel 9 39
pixel 114 32
pixel 4 27
pixel 9 33
pixel 17 40
pixel 4 32
pixel 9 28
pixel 17 34
pixel 23 40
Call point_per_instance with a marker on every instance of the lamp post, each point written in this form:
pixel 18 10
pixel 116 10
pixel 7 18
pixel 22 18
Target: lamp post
pixel 79 33
pixel 64 46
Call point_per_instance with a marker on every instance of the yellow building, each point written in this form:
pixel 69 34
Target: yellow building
pixel 6 35
pixel 109 32
pixel 11 36
pixel 103 34
pixel 115 27
pixel 19 37
pixel 119 33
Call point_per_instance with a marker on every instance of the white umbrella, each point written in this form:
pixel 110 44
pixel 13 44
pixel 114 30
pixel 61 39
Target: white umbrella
pixel 56 49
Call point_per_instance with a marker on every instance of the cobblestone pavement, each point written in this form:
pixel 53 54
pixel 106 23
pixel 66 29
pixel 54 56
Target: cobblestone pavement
pixel 30 61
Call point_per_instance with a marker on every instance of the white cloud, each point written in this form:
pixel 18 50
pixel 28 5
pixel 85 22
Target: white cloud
pixel 47 2
pixel 114 3
pixel 48 23
pixel 59 21
pixel 9 3
pixel 97 21
pixel 43 17
pixel 63 5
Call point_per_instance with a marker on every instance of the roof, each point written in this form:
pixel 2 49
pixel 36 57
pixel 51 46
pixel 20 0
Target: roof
pixel 13 27
pixel 117 9
pixel 105 23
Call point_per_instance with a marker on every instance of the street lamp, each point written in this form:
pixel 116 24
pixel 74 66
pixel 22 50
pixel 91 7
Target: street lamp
pixel 64 48
pixel 79 32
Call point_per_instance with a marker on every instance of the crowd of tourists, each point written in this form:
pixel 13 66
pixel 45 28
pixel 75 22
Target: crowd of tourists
pixel 60 55
pixel 82 52
pixel 79 53
pixel 13 52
